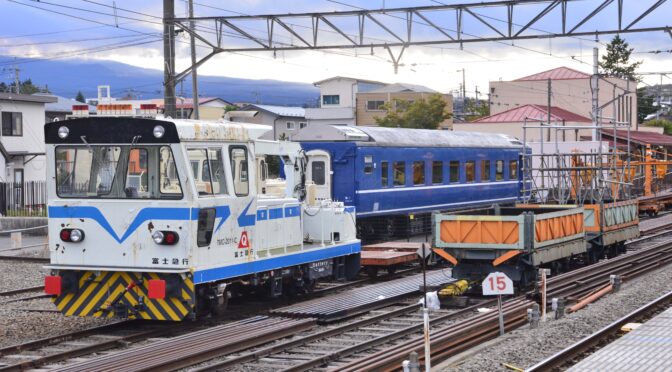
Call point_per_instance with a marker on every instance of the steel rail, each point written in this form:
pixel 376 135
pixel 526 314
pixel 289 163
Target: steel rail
pixel 13 292
pixel 564 357
pixel 25 258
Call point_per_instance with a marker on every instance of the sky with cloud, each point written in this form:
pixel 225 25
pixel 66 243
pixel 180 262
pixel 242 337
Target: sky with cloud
pixel 89 29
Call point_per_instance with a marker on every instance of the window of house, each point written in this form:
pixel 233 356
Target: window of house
pixel 290 125
pixel 513 170
pixel 12 124
pixel 470 170
pixel 418 172
pixel 499 170
pixel 485 170
pixel 454 171
pixel 302 125
pixel 375 105
pixel 332 99
pixel 368 164
pixel 399 170
pixel 238 155
pixel 384 173
pixel 437 172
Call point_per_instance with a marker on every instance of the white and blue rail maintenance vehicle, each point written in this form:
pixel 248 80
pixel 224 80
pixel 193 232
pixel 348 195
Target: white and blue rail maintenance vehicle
pixel 166 219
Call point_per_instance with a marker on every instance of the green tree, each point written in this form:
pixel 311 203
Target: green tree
pixel 645 105
pixel 476 109
pixel 666 124
pixel 422 113
pixel 617 61
pixel 80 97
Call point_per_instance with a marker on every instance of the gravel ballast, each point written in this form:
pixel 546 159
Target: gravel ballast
pixel 525 347
pixel 18 326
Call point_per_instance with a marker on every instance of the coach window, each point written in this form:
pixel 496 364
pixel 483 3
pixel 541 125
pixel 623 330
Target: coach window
pixel 239 168
pixel 319 172
pixel 399 169
pixel 368 164
pixel 454 171
pixel 470 170
pixel 437 172
pixel 513 170
pixel 384 173
pixel 499 170
pixel 418 173
pixel 485 170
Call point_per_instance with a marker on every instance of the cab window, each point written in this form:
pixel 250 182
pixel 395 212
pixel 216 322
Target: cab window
pixel 207 171
pixel 239 169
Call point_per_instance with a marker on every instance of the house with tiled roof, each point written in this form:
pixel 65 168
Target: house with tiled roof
pixel 570 90
pixel 512 121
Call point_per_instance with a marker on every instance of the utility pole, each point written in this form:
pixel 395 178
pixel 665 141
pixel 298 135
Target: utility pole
pixel 194 74
pixel 477 92
pixel 660 87
pixel 169 58
pixel 17 81
pixel 548 116
pixel 595 81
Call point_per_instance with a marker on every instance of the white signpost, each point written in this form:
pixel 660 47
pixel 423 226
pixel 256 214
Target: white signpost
pixel 498 284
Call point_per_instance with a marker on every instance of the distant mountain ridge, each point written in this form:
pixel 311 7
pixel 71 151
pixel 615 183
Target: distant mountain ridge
pixel 67 77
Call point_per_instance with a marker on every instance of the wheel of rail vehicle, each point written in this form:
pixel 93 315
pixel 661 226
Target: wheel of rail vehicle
pixel 372 271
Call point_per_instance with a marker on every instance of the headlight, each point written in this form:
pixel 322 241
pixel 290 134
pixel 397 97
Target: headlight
pixel 157 236
pixel 63 132
pixel 159 131
pixel 76 235
pixel 72 235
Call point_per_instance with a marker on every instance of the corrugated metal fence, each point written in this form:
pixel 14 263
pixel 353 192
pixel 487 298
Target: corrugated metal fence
pixel 23 199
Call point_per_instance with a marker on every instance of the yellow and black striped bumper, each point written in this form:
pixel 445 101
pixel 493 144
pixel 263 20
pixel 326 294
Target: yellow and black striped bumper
pixel 126 294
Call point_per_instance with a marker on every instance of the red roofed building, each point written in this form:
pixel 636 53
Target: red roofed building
pixel 511 122
pixel 570 91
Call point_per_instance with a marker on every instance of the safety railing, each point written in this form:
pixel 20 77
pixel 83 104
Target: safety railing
pixel 23 199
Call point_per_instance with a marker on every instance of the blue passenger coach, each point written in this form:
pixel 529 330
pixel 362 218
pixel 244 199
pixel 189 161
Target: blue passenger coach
pixel 395 177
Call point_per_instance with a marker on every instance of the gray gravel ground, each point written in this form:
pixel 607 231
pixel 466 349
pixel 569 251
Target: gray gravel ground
pixel 20 326
pixel 524 347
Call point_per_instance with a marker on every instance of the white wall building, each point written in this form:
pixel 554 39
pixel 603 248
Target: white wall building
pixel 22 137
pixel 338 100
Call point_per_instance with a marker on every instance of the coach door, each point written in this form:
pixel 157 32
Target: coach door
pixel 319 172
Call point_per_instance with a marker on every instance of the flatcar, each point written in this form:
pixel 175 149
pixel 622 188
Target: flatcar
pixel 166 219
pixel 395 177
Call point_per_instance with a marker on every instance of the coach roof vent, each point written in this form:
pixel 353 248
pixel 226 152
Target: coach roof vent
pixel 331 133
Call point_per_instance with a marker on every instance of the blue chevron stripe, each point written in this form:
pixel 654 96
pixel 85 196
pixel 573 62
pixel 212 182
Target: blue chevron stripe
pixel 145 214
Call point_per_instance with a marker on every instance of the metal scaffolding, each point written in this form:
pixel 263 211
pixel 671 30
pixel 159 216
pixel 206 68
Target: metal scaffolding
pixel 399 28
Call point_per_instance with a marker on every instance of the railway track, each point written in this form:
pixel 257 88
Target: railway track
pixel 570 286
pixel 336 346
pixel 24 259
pixel 572 354
pixel 402 324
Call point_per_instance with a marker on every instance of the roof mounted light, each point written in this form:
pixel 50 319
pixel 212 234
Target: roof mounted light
pixel 159 131
pixel 63 132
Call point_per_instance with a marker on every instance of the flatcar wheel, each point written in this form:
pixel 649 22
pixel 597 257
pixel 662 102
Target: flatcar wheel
pixel 372 271
pixel 392 269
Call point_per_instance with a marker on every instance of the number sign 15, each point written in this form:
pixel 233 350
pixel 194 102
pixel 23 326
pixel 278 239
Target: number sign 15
pixel 497 284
